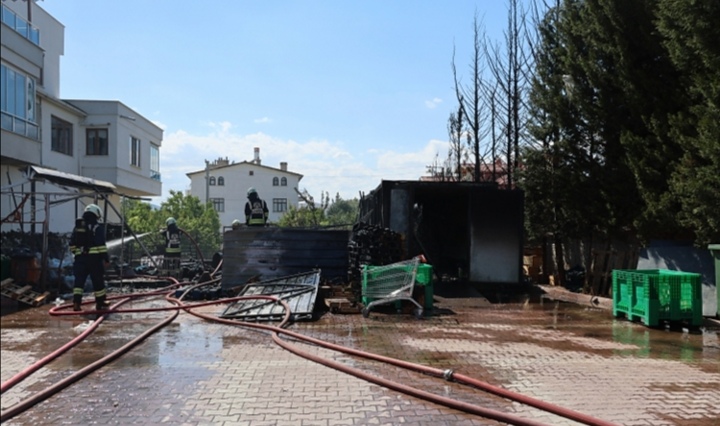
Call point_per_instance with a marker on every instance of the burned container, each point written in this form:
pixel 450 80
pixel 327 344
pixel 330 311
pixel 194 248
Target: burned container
pixel 469 231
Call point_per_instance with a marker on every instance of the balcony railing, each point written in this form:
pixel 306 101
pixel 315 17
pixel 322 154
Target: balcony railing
pixel 21 26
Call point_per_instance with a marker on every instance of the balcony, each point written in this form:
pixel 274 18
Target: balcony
pixel 20 26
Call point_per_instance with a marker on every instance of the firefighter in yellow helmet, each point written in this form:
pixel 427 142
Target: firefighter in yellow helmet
pixel 256 210
pixel 90 249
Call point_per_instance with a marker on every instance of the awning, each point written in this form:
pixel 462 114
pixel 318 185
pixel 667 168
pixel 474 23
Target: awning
pixel 69 179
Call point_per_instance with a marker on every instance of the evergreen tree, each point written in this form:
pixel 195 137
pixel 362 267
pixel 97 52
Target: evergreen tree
pixel 691 34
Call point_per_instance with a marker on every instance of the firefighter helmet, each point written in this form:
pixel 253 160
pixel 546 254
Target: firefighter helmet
pixel 94 209
pixel 236 224
pixel 170 221
pixel 251 190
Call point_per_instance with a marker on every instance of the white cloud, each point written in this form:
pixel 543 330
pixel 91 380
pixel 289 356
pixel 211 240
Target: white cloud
pixel 325 165
pixel 433 103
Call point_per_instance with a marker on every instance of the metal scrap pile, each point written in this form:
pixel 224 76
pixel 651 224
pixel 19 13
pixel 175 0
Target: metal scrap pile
pixel 371 245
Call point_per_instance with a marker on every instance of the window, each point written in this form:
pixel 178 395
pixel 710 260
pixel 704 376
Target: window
pixel 134 151
pixel 251 173
pixel 221 181
pixel 154 162
pixel 218 204
pixel 212 181
pixel 276 181
pixel 283 181
pixel 96 142
pixel 17 99
pixel 62 136
pixel 279 205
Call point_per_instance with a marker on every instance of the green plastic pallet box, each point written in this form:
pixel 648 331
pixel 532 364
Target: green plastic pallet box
pixel 655 295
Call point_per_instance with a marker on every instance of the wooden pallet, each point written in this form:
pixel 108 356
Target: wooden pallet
pixel 24 294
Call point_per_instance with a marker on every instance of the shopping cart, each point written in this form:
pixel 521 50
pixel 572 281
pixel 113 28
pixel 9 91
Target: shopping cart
pixel 388 284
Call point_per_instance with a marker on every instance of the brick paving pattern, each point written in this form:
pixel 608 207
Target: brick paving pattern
pixel 194 372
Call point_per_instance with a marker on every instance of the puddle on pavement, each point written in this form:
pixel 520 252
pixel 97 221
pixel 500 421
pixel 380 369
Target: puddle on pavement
pixel 592 330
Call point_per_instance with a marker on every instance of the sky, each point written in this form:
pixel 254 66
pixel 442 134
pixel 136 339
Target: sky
pixel 348 93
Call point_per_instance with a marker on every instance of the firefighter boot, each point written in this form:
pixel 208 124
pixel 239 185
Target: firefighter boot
pixel 101 304
pixel 77 303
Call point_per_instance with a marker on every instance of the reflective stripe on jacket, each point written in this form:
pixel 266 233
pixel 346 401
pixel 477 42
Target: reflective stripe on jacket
pixel 77 241
pixel 89 240
pixel 172 242
pixel 258 213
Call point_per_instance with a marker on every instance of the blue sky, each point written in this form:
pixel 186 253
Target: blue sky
pixel 348 93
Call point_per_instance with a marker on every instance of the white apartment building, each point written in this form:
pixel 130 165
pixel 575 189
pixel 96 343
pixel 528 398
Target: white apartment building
pixel 93 140
pixel 225 185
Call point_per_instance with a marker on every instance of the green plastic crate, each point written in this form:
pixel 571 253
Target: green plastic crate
pixel 654 295
pixel 423 278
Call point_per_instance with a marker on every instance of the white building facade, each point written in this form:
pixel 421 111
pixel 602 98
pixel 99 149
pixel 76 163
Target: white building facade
pixel 225 185
pixel 97 139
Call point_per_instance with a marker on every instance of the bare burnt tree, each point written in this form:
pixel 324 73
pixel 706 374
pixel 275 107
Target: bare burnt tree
pixel 510 65
pixel 471 101
pixel 456 151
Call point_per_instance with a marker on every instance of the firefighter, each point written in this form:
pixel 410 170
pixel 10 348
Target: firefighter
pixel 236 224
pixel 256 211
pixel 90 249
pixel 172 244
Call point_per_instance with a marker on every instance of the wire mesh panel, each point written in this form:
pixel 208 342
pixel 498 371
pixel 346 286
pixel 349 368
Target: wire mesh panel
pixel 299 291
pixel 390 283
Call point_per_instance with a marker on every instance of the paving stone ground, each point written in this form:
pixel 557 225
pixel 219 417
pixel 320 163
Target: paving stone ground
pixel 194 372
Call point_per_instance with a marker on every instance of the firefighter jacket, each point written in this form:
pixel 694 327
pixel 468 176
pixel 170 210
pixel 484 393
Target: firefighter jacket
pixel 88 239
pixel 256 212
pixel 172 241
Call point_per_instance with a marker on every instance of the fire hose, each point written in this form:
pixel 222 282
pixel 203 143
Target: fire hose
pixel 276 331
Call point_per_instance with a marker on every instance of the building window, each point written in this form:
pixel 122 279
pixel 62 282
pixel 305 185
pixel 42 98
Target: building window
pixel 276 181
pixel 96 142
pixel 212 181
pixel 279 205
pixel 134 151
pixel 251 173
pixel 221 181
pixel 283 181
pixel 17 99
pixel 62 136
pixel 154 162
pixel 218 204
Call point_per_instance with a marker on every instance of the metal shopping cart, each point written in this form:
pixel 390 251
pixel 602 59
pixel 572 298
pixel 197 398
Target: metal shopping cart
pixel 388 284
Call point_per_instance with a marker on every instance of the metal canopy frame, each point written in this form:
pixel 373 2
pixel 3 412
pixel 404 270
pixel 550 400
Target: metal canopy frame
pixel 73 186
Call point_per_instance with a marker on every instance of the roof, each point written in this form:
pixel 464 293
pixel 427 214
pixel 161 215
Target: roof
pixel 68 179
pixel 244 163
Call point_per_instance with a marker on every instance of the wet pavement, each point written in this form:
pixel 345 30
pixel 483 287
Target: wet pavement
pixel 196 372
